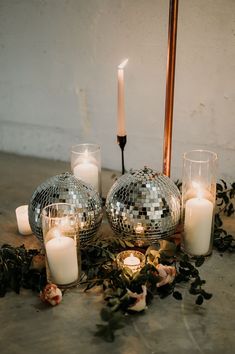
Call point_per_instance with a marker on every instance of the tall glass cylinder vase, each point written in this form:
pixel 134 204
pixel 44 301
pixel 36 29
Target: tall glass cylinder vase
pixel 86 164
pixel 61 241
pixel 198 201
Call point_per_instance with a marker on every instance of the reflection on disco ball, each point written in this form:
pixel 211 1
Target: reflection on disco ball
pixel 143 205
pixel 66 188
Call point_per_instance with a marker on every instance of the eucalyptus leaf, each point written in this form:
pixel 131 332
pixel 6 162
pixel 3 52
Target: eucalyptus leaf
pixel 105 314
pixel 122 243
pixel 224 183
pixel 199 300
pixel 16 272
pixel 219 187
pixel 177 295
pixel 199 261
pixel 207 296
pixel 194 291
pixel 129 244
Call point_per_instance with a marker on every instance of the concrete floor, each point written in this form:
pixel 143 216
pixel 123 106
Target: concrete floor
pixel 168 326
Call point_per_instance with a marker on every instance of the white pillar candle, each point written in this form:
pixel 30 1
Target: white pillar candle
pixel 62 259
pixel 23 220
pixel 87 172
pixel 121 105
pixel 197 227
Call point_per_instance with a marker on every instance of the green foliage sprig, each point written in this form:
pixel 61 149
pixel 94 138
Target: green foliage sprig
pixel 223 241
pixel 101 270
pixel 16 270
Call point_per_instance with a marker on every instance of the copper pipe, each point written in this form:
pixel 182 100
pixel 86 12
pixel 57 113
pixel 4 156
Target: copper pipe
pixel 170 80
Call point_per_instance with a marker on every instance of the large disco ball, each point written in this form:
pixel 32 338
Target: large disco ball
pixel 144 206
pixel 65 188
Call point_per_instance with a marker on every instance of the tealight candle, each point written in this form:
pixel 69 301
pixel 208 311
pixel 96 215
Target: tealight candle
pixel 131 260
pixel 23 220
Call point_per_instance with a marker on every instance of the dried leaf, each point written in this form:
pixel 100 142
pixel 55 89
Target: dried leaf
pixel 199 261
pixel 207 296
pixel 177 295
pixel 199 300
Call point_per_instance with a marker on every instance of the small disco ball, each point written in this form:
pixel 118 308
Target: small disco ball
pixel 144 206
pixel 66 188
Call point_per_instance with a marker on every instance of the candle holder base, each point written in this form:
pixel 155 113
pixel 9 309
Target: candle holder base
pixel 193 256
pixel 121 140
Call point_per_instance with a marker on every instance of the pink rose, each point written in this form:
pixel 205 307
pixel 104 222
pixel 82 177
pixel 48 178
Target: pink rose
pixel 166 274
pixel 140 303
pixel 51 294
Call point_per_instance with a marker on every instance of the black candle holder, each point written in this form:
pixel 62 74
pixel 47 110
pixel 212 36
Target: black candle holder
pixel 121 140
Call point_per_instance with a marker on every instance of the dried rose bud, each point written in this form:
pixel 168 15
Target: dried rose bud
pixel 51 294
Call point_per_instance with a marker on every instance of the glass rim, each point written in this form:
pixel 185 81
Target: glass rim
pixel 96 147
pixel 43 212
pixel 213 155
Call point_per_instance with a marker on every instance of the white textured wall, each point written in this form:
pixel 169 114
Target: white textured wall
pixel 58 62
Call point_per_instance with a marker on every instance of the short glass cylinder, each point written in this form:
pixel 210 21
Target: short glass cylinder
pixel 86 164
pixel 61 241
pixel 198 201
pixel 131 261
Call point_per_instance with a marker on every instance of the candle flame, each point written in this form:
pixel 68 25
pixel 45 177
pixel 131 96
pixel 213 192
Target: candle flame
pixel 139 228
pixel 123 64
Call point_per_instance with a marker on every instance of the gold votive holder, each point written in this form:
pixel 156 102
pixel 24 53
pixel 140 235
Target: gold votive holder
pixel 130 261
